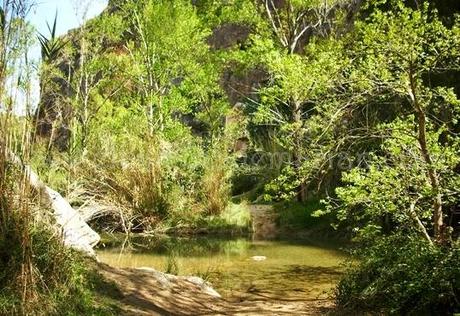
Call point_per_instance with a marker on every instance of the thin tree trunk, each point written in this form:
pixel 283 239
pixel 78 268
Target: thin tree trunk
pixel 297 119
pixel 419 223
pixel 438 223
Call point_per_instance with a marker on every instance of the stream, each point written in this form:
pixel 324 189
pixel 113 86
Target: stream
pixel 238 268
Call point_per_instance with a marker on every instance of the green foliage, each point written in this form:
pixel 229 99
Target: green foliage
pixel 153 130
pixel 402 275
pixel 158 179
pixel 215 184
pixel 292 103
pixel 168 60
pixel 303 79
pixel 392 42
pixel 284 187
pixel 55 174
pixel 233 219
pixel 142 73
pixel 385 191
pixel 408 180
pixel 235 11
pixel 38 274
pixel 237 215
pixel 292 215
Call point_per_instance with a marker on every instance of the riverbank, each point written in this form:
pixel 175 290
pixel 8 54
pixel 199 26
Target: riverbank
pixel 148 292
pixel 261 221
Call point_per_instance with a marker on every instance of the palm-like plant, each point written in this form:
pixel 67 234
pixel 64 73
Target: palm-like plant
pixel 52 45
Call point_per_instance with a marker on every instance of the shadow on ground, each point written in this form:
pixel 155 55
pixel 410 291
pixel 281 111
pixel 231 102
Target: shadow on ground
pixel 142 292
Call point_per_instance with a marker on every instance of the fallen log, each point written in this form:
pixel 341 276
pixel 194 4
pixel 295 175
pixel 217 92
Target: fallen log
pixel 76 233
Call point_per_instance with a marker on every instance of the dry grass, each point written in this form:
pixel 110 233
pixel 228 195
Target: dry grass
pixel 216 182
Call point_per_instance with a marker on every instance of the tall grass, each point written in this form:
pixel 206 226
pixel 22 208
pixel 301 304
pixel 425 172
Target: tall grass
pixel 216 180
pixel 133 179
pixel 15 241
pixel 38 275
pixel 172 264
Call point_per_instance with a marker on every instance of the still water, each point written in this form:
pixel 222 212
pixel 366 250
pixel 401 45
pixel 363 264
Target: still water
pixel 239 268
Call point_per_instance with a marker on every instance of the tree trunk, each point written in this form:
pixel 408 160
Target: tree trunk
pixel 419 223
pixel 297 157
pixel 438 223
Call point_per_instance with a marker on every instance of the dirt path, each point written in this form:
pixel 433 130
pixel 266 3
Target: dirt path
pixel 145 292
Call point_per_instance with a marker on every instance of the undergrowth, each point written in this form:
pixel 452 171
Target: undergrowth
pixel 62 281
pixel 402 275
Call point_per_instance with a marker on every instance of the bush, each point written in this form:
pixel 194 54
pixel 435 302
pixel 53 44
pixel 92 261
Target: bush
pixel 403 275
pixel 234 218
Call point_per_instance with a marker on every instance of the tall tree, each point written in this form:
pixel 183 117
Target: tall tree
pixel 398 53
pixel 301 69
pixel 298 84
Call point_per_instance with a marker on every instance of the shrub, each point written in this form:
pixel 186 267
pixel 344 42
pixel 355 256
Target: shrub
pixel 403 275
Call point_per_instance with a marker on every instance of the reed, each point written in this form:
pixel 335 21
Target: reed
pixel 38 274
pixel 15 208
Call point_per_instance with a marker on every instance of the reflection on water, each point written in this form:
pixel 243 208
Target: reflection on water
pixel 292 270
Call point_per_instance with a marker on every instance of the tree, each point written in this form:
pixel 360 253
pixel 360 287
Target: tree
pixel 298 83
pixel 171 44
pixel 398 52
pixel 295 21
pixel 49 116
pixel 91 77
pixel 303 67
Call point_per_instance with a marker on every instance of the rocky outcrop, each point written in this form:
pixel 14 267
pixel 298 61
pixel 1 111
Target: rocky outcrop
pixel 239 86
pixel 229 35
pixel 53 114
pixel 169 280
